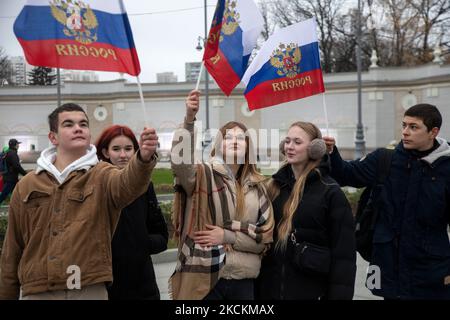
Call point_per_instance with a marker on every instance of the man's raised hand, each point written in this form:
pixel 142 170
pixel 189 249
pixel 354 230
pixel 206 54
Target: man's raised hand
pixel 148 143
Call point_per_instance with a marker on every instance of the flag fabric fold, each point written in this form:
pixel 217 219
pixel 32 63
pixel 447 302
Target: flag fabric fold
pixel 77 34
pixel 286 68
pixel 233 34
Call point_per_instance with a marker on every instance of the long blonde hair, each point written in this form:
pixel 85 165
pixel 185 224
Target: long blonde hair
pixel 248 168
pixel 289 208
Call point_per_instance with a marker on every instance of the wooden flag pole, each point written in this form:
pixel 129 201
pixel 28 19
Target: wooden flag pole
pixel 141 95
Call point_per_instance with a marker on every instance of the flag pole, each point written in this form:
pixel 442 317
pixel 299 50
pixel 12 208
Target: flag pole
pixel 142 101
pixel 199 75
pixel 326 112
pixel 58 87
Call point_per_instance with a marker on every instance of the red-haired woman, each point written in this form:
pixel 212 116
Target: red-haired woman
pixel 141 230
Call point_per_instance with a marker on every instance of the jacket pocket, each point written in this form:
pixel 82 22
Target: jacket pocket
pixel 80 204
pixel 37 206
pixel 312 259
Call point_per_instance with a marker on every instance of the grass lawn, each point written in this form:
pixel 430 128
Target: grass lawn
pixel 162 176
pixel 162 180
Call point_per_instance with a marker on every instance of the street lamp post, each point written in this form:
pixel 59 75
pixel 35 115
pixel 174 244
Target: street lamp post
pixel 360 144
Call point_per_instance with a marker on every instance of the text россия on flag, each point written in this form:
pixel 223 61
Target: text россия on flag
pixel 82 34
pixel 286 68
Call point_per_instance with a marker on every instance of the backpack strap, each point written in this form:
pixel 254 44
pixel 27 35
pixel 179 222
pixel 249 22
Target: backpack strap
pixel 384 165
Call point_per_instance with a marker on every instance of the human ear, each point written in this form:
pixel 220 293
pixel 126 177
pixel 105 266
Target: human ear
pixel 52 136
pixel 434 132
pixel 105 153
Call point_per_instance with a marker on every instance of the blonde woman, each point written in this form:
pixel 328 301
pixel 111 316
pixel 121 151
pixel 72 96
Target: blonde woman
pixel 222 214
pixel 314 255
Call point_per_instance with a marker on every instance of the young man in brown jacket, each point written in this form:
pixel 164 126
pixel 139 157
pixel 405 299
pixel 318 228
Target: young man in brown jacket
pixel 62 217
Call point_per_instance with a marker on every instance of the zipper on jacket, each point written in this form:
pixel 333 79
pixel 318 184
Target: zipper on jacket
pixel 304 248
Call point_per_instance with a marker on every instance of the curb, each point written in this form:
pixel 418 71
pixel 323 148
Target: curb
pixel 167 256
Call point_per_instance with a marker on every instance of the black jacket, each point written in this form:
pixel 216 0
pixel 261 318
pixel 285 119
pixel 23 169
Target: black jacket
pixel 410 243
pixel 14 167
pixel 141 231
pixel 324 218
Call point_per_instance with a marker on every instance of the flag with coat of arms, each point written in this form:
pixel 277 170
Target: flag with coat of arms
pixel 232 37
pixel 286 68
pixel 77 34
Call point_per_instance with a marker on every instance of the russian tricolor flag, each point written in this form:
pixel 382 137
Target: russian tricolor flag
pixel 77 34
pixel 286 68
pixel 235 28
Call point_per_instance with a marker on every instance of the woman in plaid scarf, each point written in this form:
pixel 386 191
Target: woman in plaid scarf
pixel 222 214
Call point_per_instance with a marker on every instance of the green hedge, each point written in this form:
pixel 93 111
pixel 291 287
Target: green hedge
pixel 3 225
pixel 166 208
pixel 162 176
pixel 353 198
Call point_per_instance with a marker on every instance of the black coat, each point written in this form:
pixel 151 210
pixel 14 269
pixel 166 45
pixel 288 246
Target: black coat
pixel 410 243
pixel 324 218
pixel 141 231
pixel 14 167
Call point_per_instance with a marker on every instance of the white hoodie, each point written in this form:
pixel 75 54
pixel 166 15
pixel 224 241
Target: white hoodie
pixel 442 151
pixel 48 156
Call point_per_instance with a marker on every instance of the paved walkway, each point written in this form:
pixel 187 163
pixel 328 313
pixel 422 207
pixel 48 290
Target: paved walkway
pixel 164 267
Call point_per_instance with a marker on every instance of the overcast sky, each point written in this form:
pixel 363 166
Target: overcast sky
pixel 164 39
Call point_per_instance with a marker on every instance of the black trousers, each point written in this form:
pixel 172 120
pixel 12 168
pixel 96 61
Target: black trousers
pixel 231 289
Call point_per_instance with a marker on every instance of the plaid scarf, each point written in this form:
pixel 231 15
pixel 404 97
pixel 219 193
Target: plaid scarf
pixel 198 268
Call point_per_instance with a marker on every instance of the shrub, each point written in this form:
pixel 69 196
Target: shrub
pixel 163 188
pixel 353 198
pixel 166 208
pixel 3 226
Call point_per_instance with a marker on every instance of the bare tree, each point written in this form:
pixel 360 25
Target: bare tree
pixel 403 32
pixel 5 68
pixel 400 31
pixel 266 14
pixel 326 12
pixel 433 16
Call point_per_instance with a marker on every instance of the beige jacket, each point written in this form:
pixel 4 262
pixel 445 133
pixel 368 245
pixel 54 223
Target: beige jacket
pixel 243 257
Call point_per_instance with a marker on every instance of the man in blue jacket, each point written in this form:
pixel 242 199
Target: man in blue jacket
pixel 410 243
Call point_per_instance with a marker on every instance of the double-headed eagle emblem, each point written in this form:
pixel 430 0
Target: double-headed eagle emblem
pixel 286 59
pixel 78 19
pixel 230 21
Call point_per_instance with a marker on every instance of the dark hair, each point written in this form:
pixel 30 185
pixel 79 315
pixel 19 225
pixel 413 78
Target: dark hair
pixel 109 134
pixel 428 113
pixel 67 107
